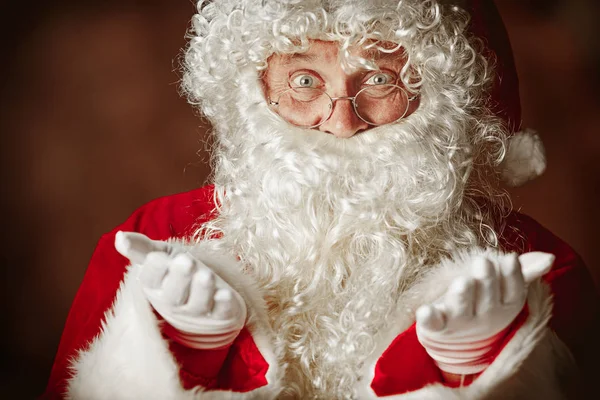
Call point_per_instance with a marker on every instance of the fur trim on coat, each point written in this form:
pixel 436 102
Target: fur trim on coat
pixel 129 359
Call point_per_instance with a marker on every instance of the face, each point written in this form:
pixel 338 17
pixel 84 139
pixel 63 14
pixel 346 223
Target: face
pixel 303 88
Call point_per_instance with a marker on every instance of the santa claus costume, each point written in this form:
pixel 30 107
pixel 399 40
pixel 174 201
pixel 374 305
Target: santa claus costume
pixel 334 244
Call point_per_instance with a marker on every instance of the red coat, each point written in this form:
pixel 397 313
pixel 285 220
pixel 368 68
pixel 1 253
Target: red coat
pixel 403 366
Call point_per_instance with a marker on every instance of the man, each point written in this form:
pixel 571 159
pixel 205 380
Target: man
pixel 354 244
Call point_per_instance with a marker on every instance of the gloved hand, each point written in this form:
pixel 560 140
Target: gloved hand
pixel 462 330
pixel 202 309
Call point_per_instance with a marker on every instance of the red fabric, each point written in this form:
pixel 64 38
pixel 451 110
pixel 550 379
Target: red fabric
pixel 194 373
pixel 245 368
pixel 163 218
pixel 239 367
pixel 405 366
pixel 576 312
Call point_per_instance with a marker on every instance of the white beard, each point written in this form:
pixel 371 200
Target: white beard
pixel 334 231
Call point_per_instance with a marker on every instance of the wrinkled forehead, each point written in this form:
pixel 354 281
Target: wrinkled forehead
pixel 370 54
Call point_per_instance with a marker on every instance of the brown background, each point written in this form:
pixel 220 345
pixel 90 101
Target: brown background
pixel 93 126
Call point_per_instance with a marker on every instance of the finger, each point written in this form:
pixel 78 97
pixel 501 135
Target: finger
pixel 136 246
pixel 225 304
pixel 460 298
pixel 176 284
pixel 512 282
pixel 202 292
pixel 535 264
pixel 154 270
pixel 488 285
pixel 430 318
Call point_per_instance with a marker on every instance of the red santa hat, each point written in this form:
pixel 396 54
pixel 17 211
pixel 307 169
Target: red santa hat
pixel 525 158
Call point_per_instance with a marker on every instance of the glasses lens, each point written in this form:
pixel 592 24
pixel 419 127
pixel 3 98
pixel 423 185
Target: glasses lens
pixel 304 107
pixel 381 104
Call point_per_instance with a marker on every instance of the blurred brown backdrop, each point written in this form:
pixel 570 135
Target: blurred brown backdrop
pixel 93 126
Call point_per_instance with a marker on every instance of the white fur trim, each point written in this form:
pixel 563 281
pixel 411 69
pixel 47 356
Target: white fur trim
pixel 257 321
pixel 532 365
pixel 129 359
pixel 525 158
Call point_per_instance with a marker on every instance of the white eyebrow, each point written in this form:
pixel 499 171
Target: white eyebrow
pixel 289 58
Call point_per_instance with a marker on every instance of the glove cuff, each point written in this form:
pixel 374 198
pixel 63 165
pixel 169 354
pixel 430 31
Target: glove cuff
pixel 467 360
pixel 200 341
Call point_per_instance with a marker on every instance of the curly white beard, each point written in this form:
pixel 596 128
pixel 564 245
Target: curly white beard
pixel 334 231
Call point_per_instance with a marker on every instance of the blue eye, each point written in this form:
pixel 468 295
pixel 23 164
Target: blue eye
pixel 380 79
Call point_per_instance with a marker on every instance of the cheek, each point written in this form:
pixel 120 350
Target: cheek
pixel 275 78
pixel 274 82
pixel 278 86
pixel 413 106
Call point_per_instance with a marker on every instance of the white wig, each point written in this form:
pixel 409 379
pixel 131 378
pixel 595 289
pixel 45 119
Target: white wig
pixel 315 217
pixel 230 35
pixel 231 41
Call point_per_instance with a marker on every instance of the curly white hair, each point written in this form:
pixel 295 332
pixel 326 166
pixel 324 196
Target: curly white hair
pixel 315 217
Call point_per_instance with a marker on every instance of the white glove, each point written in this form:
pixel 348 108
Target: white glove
pixel 462 330
pixel 205 312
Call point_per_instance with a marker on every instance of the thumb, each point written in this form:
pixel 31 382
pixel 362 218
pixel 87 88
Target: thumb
pixel 535 264
pixel 136 246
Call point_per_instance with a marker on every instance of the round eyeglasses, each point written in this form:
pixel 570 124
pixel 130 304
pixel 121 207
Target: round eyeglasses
pixel 310 107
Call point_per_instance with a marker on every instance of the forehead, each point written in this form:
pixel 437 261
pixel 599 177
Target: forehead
pixel 322 52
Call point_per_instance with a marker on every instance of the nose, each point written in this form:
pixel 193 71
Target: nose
pixel 343 122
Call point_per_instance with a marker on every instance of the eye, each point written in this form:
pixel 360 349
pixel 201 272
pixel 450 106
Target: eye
pixel 380 78
pixel 305 80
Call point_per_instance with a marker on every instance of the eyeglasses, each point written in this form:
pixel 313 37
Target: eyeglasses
pixel 310 107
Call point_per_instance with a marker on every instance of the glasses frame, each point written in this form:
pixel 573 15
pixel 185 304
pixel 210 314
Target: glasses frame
pixel 351 98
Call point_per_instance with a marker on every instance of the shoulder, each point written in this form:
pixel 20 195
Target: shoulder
pixel 576 302
pixel 521 234
pixel 171 216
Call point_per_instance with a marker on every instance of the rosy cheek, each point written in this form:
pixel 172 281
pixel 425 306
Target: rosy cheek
pixel 304 114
